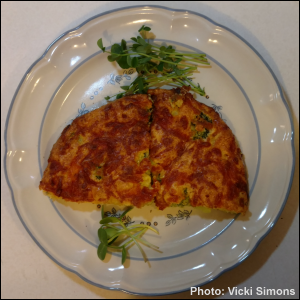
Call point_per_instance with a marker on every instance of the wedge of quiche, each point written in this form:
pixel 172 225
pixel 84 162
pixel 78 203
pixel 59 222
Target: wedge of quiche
pixel 188 156
pixel 103 156
pixel 195 157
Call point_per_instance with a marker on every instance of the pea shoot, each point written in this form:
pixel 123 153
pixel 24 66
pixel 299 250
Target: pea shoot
pixel 155 65
pixel 113 227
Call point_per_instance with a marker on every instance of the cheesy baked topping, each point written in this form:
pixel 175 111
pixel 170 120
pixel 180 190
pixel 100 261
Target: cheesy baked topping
pixel 197 154
pixel 164 146
pixel 103 156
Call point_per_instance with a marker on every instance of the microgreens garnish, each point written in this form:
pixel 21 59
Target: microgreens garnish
pixel 113 227
pixel 155 65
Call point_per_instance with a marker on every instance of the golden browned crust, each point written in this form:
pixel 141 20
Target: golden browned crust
pixel 195 156
pixel 103 156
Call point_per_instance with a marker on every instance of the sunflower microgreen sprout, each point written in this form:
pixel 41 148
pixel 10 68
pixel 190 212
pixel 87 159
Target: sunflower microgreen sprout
pixel 155 65
pixel 112 228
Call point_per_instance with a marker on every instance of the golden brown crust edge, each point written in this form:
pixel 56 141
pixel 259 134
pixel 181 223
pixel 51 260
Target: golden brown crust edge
pixel 172 149
pixel 100 157
pixel 208 171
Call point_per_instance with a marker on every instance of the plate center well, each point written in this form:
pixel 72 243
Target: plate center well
pixel 181 229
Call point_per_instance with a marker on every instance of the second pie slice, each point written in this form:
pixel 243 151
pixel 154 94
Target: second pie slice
pixel 195 158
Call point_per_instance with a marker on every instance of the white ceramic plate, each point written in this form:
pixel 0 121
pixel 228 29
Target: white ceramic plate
pixel 73 77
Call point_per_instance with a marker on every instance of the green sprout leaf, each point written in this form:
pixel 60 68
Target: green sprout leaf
pixel 142 28
pixel 112 57
pixel 110 232
pixel 160 66
pixel 142 49
pixel 134 62
pixel 100 45
pixel 140 84
pixel 120 95
pixel 144 60
pixel 125 87
pixel 141 41
pixel 101 251
pixel 123 45
pixel 129 60
pixel 155 65
pixel 102 235
pixel 116 48
pixel 122 62
pixel 145 28
pixel 113 227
